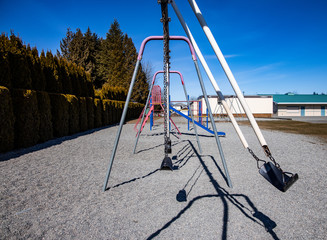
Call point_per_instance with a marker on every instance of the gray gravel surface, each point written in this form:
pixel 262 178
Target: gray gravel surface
pixel 54 190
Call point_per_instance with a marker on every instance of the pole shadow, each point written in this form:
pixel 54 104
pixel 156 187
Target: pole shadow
pixel 250 211
pixel 133 179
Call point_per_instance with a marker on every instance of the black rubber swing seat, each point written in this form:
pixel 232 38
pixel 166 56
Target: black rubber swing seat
pixel 277 177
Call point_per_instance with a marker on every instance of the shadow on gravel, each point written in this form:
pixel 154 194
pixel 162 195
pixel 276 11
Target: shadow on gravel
pixel 20 152
pixel 200 135
pixel 134 179
pixel 249 210
pixel 147 149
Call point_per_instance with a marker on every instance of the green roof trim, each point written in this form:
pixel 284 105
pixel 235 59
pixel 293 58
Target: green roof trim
pixel 298 98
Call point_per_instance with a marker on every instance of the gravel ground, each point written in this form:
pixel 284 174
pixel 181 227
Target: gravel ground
pixel 54 190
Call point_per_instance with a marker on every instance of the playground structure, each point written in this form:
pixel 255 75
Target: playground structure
pixel 155 100
pixel 270 170
pixel 152 95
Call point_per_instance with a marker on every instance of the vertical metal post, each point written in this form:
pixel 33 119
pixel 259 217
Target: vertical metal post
pixel 228 72
pixel 167 101
pixel 207 116
pixel 213 124
pixel 113 153
pixel 194 127
pixel 169 114
pixel 188 113
pixel 200 112
pixel 151 115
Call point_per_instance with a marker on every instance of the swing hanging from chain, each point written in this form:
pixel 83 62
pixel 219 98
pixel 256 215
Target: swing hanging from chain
pixel 273 173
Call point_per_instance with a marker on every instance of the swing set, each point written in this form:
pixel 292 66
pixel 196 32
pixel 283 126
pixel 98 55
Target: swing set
pixel 270 169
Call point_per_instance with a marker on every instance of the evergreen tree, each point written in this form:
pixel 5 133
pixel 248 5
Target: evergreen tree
pixel 81 49
pixel 65 44
pixel 111 57
pixel 116 63
pixel 140 90
pixel 109 61
pixel 92 44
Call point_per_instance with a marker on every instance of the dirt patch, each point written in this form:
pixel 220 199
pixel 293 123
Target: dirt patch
pixel 313 129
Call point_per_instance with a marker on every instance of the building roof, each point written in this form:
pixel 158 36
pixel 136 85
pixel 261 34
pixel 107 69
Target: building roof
pixel 299 98
pixel 245 96
pixel 180 105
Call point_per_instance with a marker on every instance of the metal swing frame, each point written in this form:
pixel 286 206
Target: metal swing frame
pixel 139 58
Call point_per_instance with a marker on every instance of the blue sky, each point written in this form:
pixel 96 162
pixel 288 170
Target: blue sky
pixel 271 46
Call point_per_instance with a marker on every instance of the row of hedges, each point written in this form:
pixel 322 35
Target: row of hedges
pixel 21 67
pixel 111 92
pixel 28 117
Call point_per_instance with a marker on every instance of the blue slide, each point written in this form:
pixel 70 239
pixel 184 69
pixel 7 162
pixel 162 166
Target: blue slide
pixel 220 134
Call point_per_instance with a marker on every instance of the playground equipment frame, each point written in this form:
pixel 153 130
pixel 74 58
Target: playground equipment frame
pixel 139 58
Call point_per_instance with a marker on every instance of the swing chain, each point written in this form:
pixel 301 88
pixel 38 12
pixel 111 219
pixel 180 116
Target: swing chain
pixel 260 160
pixel 268 153
pixel 165 20
pixel 274 162
pixel 256 158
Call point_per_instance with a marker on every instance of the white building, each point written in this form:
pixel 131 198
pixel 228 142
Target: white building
pixel 300 104
pixel 260 106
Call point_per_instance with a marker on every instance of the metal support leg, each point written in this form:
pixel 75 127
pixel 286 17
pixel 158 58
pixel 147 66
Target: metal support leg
pixel 144 113
pixel 188 114
pixel 194 127
pixel 121 124
pixel 213 124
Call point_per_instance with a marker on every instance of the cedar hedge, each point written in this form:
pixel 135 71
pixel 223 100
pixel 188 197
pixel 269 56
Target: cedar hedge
pixel 60 114
pixel 5 73
pixel 98 109
pixel 44 107
pixel 105 112
pixel 27 118
pixel 83 114
pixel 90 112
pixel 111 92
pixel 74 114
pixel 60 99
pixel 7 121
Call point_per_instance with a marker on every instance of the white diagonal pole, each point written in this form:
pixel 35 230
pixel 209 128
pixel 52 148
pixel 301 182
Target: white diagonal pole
pixel 228 72
pixel 209 74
